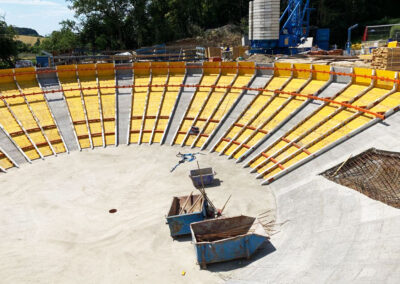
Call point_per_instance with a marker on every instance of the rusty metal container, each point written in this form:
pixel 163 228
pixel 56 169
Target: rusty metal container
pixel 224 239
pixel 183 212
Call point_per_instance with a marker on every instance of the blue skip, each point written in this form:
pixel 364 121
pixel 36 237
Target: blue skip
pixel 186 210
pixel 224 239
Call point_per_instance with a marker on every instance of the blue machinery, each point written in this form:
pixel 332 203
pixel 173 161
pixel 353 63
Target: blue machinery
pixel 295 27
pixel 348 43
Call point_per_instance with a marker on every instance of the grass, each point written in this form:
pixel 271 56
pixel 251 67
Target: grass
pixel 28 39
pixel 27 56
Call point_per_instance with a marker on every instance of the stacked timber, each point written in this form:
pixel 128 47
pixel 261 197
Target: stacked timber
pixel 386 58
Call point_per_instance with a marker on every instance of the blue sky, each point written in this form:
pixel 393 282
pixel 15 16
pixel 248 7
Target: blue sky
pixel 41 15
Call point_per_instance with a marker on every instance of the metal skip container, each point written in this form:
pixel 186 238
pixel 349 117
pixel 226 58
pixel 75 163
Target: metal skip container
pixel 224 239
pixel 202 177
pixel 184 211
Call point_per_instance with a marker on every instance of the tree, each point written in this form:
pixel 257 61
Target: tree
pixel 8 47
pixel 61 41
pixel 108 17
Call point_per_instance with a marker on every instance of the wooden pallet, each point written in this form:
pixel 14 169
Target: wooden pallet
pixel 386 58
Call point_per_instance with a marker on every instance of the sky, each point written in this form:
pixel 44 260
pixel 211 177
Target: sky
pixel 42 15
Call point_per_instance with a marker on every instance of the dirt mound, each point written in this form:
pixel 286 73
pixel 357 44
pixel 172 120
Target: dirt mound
pixel 230 35
pixel 261 58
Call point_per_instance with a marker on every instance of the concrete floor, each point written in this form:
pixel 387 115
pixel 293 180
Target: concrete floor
pixel 55 226
pixel 331 233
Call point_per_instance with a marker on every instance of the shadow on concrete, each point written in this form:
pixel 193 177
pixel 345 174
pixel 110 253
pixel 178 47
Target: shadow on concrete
pixel 263 251
pixel 186 238
pixel 216 182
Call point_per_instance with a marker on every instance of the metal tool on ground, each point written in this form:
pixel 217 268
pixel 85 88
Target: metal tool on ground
pixel 223 208
pixel 341 166
pixel 184 205
pixel 194 130
pixel 203 191
pixel 190 157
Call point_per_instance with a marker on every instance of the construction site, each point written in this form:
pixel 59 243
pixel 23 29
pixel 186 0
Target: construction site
pixel 272 161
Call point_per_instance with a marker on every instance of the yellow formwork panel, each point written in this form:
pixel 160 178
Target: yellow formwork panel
pixel 292 106
pixel 91 98
pixel 86 71
pixel 320 131
pixel 246 68
pixel 313 87
pixel 387 104
pixel 321 73
pixel 384 84
pixel 245 117
pixel 351 92
pixel 214 99
pixel 370 97
pixel 142 69
pixel 139 99
pixel 200 96
pixel 289 163
pixel 348 128
pixel 66 73
pixel 269 152
pixel 11 126
pixel 24 115
pixel 159 68
pixel 293 85
pixel 240 152
pixel 105 71
pixel 229 68
pixel 282 69
pixel 280 157
pixel 6 76
pixel 225 105
pixel 184 128
pixel 277 102
pixel 220 146
pixel 317 117
pixel 177 68
pixel 5 163
pixel 199 101
pixel 210 68
pixel 25 74
pixel 170 97
pixel 302 70
pixel 274 172
pixel 40 109
pixel 153 104
pixel 75 106
pixel 360 73
pixel 106 78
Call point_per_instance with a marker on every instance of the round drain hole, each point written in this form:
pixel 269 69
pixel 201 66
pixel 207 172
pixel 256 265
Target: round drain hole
pixel 112 211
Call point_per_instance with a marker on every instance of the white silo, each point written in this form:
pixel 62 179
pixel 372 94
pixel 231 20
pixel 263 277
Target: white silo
pixel 251 20
pixel 265 19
